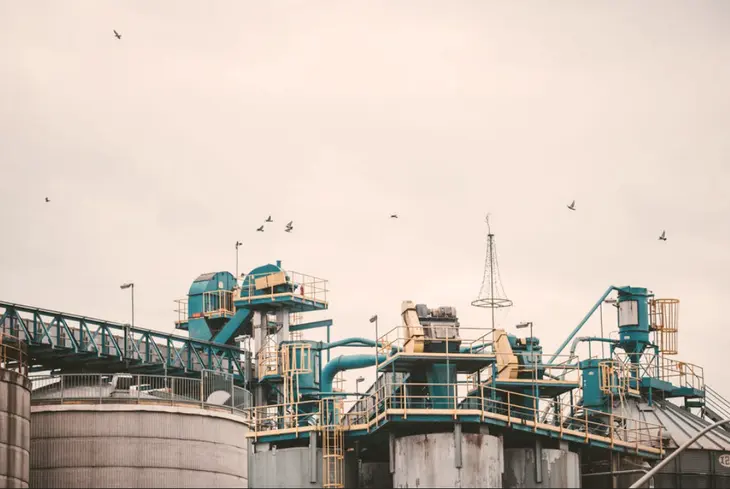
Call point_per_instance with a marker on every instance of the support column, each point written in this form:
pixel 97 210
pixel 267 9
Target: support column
pixel 282 318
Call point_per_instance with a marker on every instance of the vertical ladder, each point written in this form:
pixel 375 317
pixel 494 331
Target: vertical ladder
pixel 333 441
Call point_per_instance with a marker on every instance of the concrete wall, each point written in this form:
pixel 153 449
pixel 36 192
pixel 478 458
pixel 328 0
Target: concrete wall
pixel 430 461
pixel 375 475
pixel 14 429
pixel 288 467
pixel 560 468
pixel 102 446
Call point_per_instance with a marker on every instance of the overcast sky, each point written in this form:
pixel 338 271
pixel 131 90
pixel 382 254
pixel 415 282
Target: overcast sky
pixel 160 150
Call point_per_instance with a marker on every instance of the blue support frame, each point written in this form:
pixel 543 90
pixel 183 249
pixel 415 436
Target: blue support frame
pixel 70 342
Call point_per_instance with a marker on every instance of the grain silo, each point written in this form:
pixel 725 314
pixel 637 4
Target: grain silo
pixel 123 430
pixel 14 413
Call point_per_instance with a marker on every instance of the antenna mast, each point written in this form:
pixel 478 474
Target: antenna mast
pixel 491 293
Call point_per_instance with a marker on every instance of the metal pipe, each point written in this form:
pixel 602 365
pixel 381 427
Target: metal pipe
pixel 679 450
pixel 347 342
pixel 580 325
pixel 346 362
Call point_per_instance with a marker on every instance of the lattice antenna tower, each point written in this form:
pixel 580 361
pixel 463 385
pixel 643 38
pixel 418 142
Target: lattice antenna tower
pixel 491 294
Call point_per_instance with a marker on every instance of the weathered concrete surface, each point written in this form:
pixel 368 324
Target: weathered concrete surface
pixel 375 475
pixel 430 461
pixel 288 467
pixel 136 446
pixel 560 468
pixel 14 429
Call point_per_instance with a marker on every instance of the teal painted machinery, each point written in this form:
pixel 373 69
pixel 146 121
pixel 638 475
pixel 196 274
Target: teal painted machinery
pixel 633 321
pixel 210 308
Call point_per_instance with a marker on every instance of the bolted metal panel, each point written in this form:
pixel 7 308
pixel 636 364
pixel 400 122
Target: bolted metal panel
pixel 14 429
pixel 136 446
pixel 428 461
pixel 559 468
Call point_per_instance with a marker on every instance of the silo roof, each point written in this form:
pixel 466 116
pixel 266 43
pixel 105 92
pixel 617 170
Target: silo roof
pixel 681 425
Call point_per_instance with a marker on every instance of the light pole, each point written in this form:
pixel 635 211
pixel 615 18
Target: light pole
pixel 357 384
pixel 238 243
pixel 129 285
pixel 374 319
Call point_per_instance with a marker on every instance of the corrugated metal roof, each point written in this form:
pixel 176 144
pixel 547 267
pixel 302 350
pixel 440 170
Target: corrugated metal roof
pixel 681 425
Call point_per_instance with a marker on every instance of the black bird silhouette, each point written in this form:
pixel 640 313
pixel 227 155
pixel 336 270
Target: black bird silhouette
pixel 394 216
pixel 261 229
pixel 47 199
pixel 117 35
pixel 289 227
pixel 572 206
pixel 268 219
pixel 663 237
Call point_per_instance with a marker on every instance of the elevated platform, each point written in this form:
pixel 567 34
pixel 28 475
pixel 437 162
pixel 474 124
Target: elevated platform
pixel 402 362
pixel 275 288
pixel 667 390
pixel 70 343
pixel 388 410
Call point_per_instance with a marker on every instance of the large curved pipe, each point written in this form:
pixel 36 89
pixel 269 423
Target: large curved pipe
pixel 346 362
pixel 347 342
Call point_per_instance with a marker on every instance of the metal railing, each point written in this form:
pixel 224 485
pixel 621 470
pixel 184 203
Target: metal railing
pixel 565 372
pixel 488 403
pixel 471 341
pixel 680 374
pixel 218 303
pixel 284 283
pixel 13 354
pixel 181 310
pixel 72 334
pixel 211 391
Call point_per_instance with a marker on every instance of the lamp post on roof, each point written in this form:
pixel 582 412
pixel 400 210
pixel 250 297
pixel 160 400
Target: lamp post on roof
pixel 128 285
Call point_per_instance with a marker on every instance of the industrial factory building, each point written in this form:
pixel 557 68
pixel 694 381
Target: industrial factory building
pixel 241 398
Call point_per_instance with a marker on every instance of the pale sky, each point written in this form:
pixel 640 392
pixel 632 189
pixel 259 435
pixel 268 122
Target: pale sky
pixel 160 150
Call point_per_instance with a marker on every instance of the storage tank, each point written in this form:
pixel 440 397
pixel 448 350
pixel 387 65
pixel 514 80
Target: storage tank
pixel 14 414
pixel 132 434
pixel 706 463
pixel 436 460
pixel 558 468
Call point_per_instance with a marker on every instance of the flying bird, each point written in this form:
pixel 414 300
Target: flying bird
pixel 117 35
pixel 47 199
pixel 394 216
pixel 268 219
pixel 663 237
pixel 572 206
pixel 261 229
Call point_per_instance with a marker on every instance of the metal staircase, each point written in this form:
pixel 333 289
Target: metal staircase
pixel 716 407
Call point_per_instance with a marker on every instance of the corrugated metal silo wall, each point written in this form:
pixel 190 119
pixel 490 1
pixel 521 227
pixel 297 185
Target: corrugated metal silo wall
pixel 696 469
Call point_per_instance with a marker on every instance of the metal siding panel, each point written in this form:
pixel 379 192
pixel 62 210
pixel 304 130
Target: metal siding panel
pixel 106 448
pixel 15 429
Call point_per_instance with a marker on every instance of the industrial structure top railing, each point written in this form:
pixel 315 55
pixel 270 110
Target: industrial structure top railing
pixel 210 391
pixel 487 404
pixel 458 339
pixel 297 284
